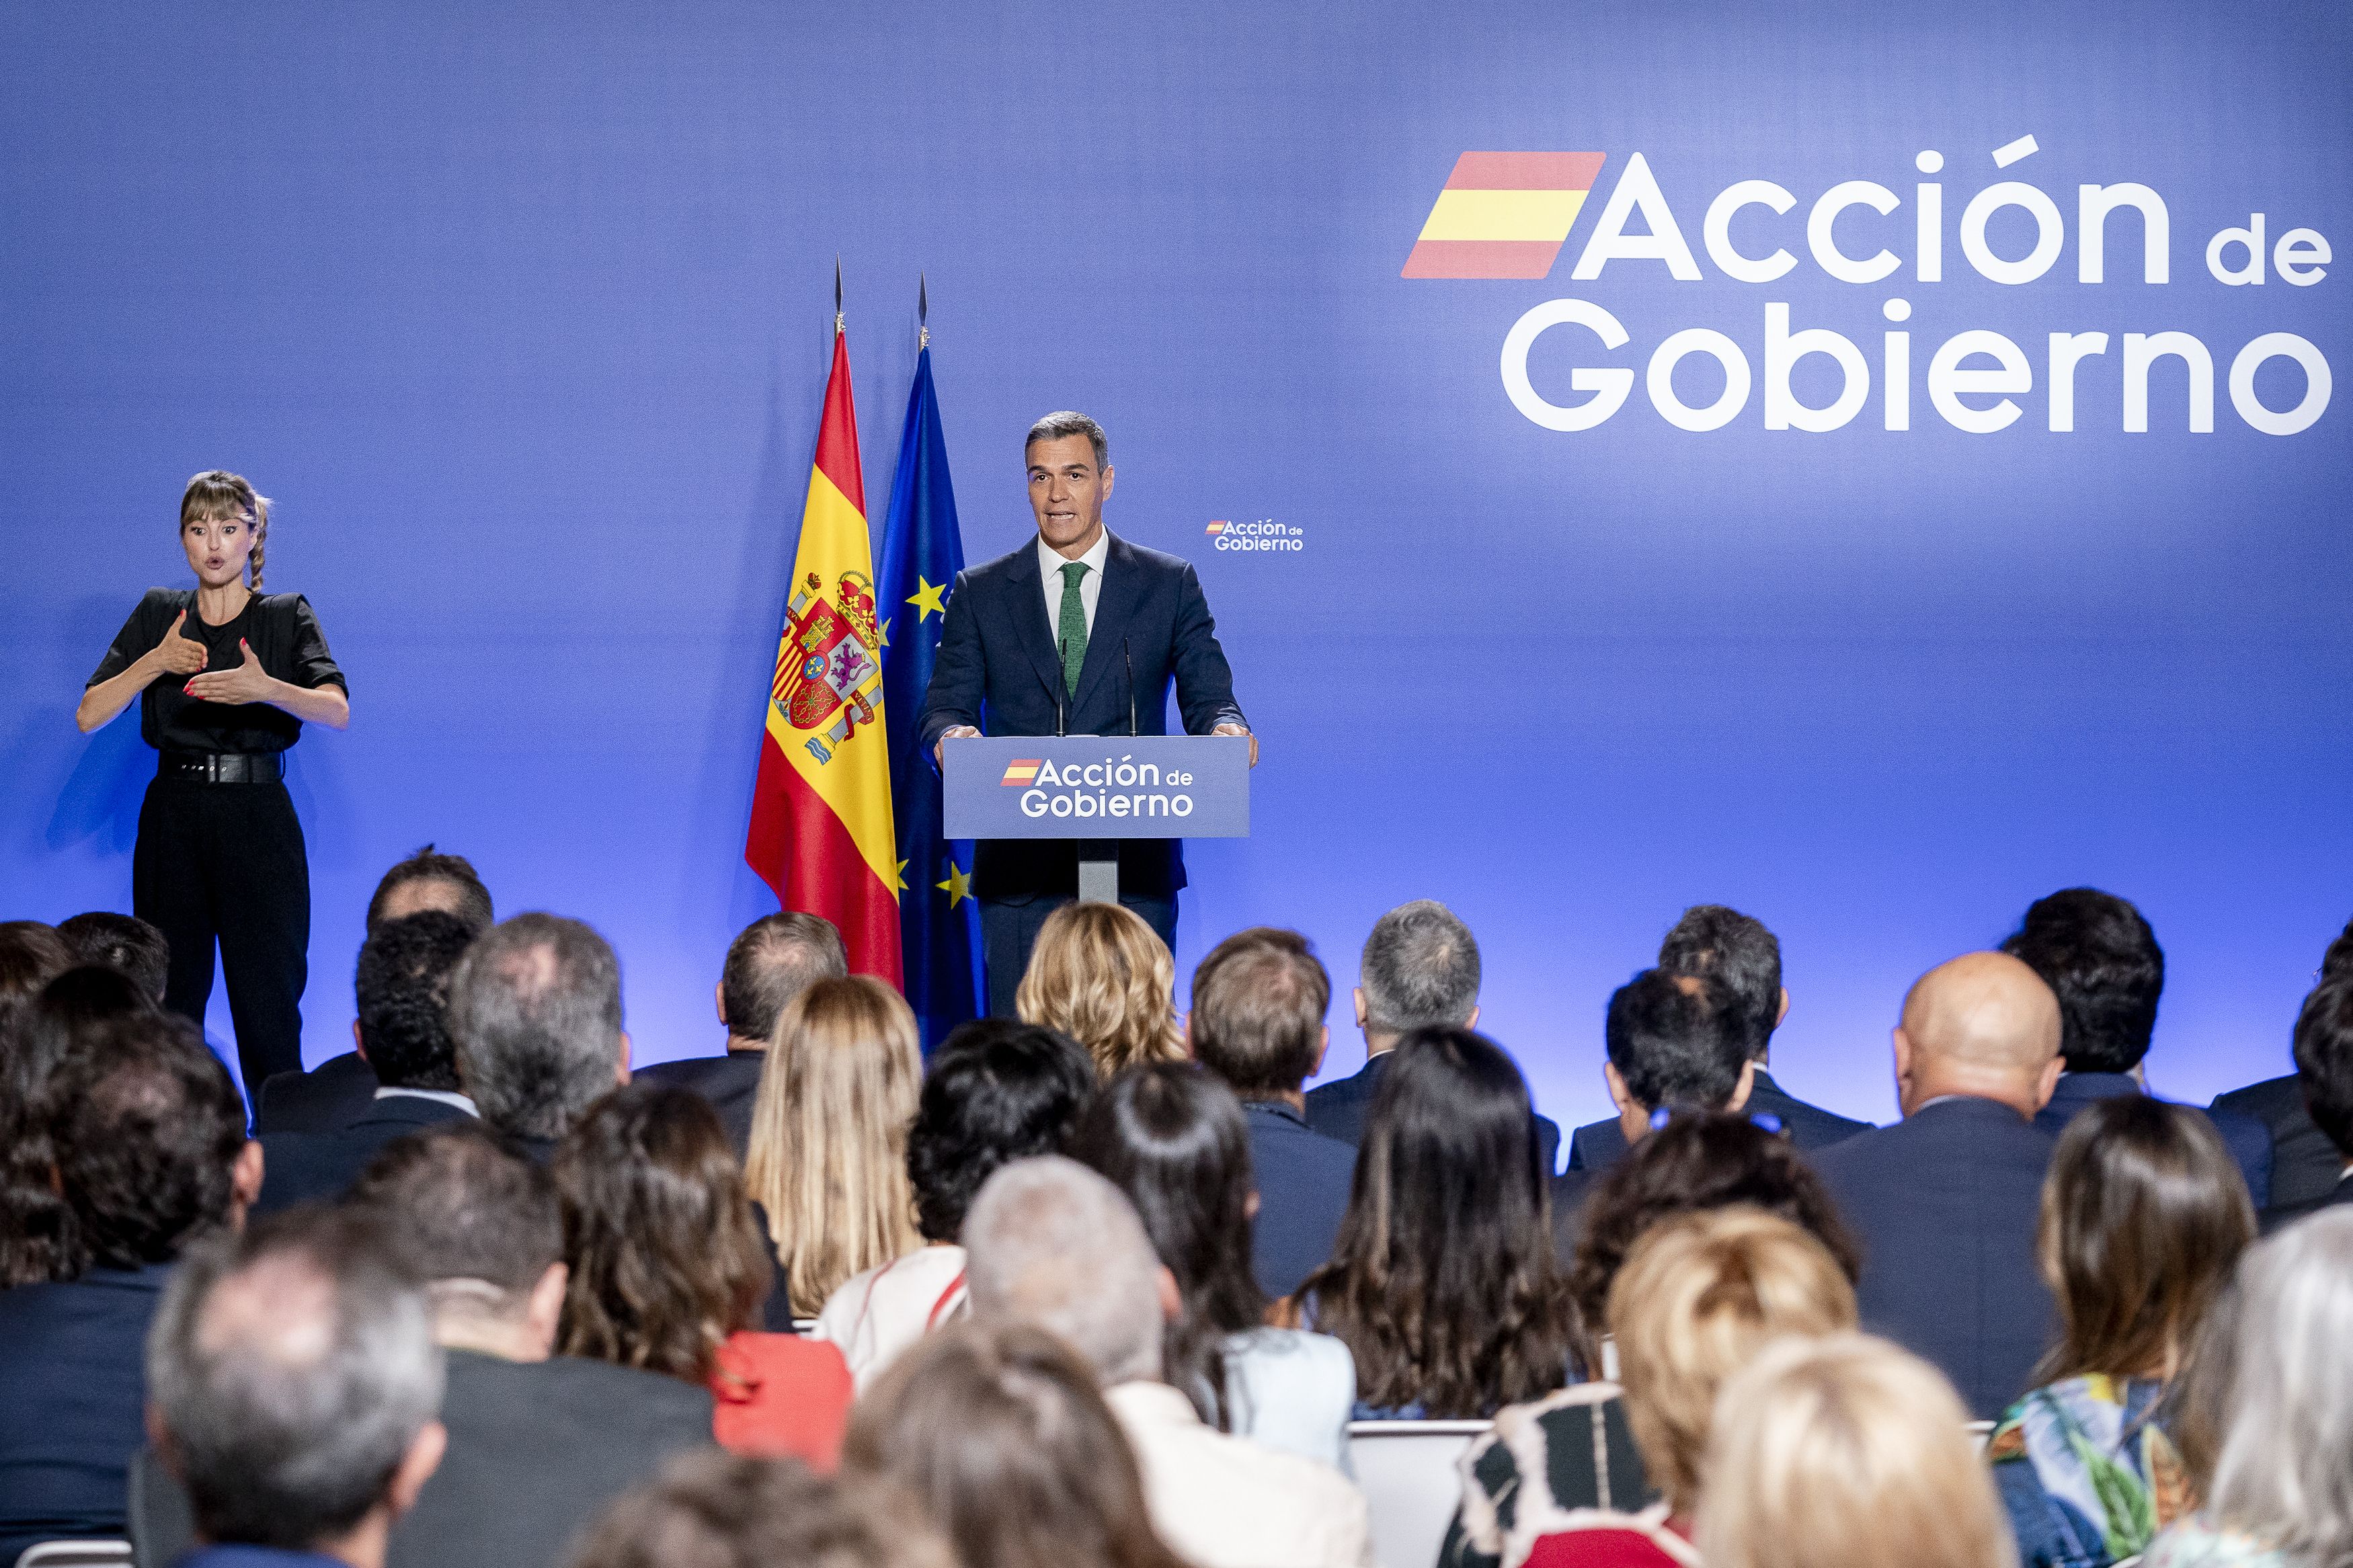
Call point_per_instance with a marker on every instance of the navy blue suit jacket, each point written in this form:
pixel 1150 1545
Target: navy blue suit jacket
pixel 2249 1141
pixel 1338 1109
pixel 327 1098
pixel 1597 1145
pixel 1944 1203
pixel 1302 1181
pixel 2304 1163
pixel 316 1167
pixel 2272 1219
pixel 999 672
pixel 730 1083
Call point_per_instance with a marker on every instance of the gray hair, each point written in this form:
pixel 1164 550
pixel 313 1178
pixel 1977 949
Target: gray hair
pixel 1421 970
pixel 2281 1474
pixel 1065 422
pixel 536 1012
pixel 291 1369
pixel 1052 1244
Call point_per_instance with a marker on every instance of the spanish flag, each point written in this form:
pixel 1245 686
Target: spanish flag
pixel 822 834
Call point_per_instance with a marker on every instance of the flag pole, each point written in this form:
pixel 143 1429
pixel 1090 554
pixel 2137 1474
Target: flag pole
pixel 837 294
pixel 923 313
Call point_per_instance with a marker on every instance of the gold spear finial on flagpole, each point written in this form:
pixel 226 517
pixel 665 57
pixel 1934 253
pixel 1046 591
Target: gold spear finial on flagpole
pixel 923 313
pixel 836 294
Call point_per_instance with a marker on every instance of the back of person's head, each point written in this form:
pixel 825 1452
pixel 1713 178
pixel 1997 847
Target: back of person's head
pixel 41 1030
pixel 998 1431
pixel 31 953
pixel 1677 1041
pixel 1983 1023
pixel 1103 976
pixel 1695 1164
pixel 431 881
pixel 2144 1216
pixel 996 1090
pixel 2101 959
pixel 665 1257
pixel 1053 1244
pixel 536 1012
pixel 1175 1141
pixel 1258 1011
pixel 401 985
pixel 293 1374
pixel 771 961
pixel 2337 964
pixel 1738 953
pixel 1443 1280
pixel 710 1509
pixel 1420 970
pixel 458 1205
pixel 2324 1059
pixel 1846 1452
pixel 1700 1295
pixel 124 942
pixel 147 1128
pixel 828 1152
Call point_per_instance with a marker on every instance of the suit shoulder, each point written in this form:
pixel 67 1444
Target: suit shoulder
pixel 626 1388
pixel 2262 1100
pixel 1157 560
pixel 998 568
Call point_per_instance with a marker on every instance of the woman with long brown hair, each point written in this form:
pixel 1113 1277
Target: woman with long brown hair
pixel 1103 976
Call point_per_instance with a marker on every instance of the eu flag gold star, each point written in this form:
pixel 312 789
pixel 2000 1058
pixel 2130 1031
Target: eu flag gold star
pixel 958 887
pixel 926 598
pixel 899 876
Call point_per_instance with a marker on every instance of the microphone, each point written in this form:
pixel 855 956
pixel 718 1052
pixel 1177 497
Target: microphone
pixel 1125 659
pixel 1060 689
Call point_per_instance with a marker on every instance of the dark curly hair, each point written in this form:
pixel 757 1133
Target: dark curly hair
pixel 402 986
pixel 666 1258
pixel 38 1237
pixel 1700 1160
pixel 121 942
pixel 31 953
pixel 2101 959
pixel 998 1091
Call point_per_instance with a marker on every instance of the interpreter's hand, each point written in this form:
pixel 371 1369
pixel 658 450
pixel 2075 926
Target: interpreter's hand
pixel 246 682
pixel 1238 730
pixel 953 732
pixel 177 655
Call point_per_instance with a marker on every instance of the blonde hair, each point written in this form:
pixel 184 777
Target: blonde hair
pixel 1103 976
pixel 1698 1295
pixel 828 1152
pixel 1846 1452
pixel 216 495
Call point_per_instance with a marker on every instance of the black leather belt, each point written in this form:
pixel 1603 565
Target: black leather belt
pixel 222 768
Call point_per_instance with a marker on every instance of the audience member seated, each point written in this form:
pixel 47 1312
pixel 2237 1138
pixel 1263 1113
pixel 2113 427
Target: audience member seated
pixel 1103 976
pixel 1845 1452
pixel 149 1138
pixel 1420 970
pixel 2144 1216
pixel 2101 959
pixel 31 956
pixel 402 986
pixel 668 1272
pixel 341 1089
pixel 1740 955
pixel 1945 1201
pixel 997 1090
pixel 534 1012
pixel 828 1162
pixel 1257 1021
pixel 1056 1247
pixel 2305 1165
pixel 2324 1071
pixel 1443 1284
pixel 297 1394
pixel 121 942
pixel 998 1432
pixel 1176 1142
pixel 2265 1430
pixel 773 960
pixel 724 1511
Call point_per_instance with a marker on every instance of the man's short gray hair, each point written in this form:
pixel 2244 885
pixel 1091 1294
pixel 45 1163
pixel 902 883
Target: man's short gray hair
pixel 536 1012
pixel 1071 422
pixel 291 1369
pixel 1421 970
pixel 1052 1244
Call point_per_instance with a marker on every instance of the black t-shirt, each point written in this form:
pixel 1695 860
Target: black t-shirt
pixel 285 637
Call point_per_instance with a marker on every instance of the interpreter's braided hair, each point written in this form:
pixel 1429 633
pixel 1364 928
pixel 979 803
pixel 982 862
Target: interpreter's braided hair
pixel 215 494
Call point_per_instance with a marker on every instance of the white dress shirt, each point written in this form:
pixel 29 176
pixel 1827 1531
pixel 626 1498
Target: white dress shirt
pixel 877 1316
pixel 1051 562
pixel 1227 1502
pixel 1294 1392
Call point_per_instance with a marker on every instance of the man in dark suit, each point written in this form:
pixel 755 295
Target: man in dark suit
pixel 1419 969
pixel 2100 957
pixel 773 960
pixel 1739 953
pixel 2324 1070
pixel 401 985
pixel 1258 1022
pixel 1077 632
pixel 538 1444
pixel 1945 1201
pixel 2305 1165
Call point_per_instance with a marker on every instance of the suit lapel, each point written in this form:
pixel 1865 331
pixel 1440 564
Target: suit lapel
pixel 1028 611
pixel 1123 585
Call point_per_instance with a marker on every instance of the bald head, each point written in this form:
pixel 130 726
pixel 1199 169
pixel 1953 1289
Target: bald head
pixel 1983 1025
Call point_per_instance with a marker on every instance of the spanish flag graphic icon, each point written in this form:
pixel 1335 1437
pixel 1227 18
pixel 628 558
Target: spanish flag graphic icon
pixel 1503 215
pixel 1022 771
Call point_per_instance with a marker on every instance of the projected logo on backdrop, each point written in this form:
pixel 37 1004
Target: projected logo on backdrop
pixel 1508 214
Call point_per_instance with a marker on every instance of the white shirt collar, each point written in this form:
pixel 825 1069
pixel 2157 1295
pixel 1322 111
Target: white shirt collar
pixel 447 1097
pixel 1051 561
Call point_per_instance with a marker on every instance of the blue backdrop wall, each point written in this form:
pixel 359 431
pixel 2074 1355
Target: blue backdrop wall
pixel 520 312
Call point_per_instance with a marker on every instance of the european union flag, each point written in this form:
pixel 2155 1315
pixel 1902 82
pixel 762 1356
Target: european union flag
pixel 939 921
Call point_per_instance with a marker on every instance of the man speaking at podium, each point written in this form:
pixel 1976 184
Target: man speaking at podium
pixel 1077 632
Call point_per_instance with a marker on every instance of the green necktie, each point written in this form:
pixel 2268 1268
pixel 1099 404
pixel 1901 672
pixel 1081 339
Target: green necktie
pixel 1072 631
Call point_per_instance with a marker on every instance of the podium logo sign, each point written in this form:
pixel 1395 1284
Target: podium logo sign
pixel 1090 787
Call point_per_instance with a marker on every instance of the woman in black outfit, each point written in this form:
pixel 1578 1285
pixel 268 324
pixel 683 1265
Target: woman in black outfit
pixel 225 676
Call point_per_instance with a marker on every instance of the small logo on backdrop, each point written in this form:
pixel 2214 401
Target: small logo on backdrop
pixel 1259 534
pixel 1021 771
pixel 1503 215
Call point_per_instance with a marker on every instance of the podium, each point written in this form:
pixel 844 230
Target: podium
pixel 1096 790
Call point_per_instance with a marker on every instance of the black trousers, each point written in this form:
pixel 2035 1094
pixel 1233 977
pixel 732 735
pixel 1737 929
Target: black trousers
pixel 1008 930
pixel 226 862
